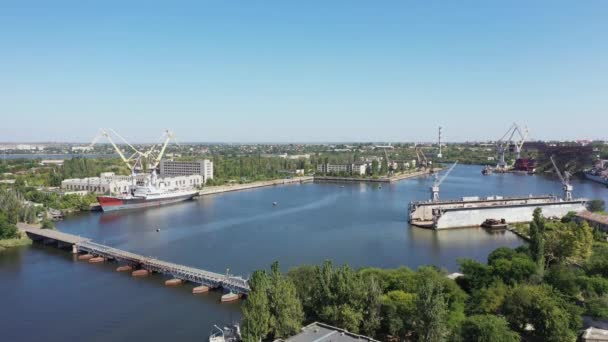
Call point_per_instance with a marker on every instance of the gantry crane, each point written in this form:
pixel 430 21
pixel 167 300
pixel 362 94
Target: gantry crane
pixel 514 146
pixel 565 178
pixel 438 181
pixel 136 161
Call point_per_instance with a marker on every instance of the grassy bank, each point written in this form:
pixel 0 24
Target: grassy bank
pixel 10 243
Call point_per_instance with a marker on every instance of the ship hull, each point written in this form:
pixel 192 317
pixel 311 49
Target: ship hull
pixel 109 203
pixel 598 179
pixel 461 214
pixel 474 217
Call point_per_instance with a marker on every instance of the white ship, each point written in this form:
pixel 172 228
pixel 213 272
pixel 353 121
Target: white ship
pixel 152 194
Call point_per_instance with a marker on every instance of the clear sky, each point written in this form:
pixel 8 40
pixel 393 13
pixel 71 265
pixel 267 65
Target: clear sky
pixel 303 71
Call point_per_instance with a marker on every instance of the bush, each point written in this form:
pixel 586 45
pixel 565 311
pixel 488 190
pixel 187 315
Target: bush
pixel 596 205
pixel 47 224
pixel 7 229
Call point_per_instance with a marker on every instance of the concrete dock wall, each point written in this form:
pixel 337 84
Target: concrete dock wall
pixel 210 190
pixel 458 218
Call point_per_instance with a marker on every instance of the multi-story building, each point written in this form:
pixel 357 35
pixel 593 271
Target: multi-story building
pixel 358 169
pixel 170 168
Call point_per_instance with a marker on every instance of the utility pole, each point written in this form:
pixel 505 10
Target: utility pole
pixel 439 155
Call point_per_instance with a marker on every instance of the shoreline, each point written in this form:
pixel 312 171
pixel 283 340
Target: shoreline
pixel 211 190
pixel 22 240
pixel 372 180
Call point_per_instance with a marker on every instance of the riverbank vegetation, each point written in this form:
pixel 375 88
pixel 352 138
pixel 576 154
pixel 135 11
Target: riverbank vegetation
pixel 533 293
pixel 11 212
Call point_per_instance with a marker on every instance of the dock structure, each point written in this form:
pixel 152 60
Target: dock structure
pixel 234 284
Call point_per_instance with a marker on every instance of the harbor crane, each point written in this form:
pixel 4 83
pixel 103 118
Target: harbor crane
pixel 389 163
pixel 438 181
pixel 136 160
pixel 507 141
pixel 421 158
pixel 565 178
pixel 132 161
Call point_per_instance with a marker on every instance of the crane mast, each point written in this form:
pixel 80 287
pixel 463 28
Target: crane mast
pixel 565 179
pixel 438 181
pixel 503 142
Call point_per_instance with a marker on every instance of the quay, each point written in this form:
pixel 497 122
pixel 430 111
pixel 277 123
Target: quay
pixel 390 179
pixel 210 190
pixel 234 284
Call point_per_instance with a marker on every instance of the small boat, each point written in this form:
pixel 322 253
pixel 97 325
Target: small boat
pixel 495 224
pixel 158 229
pixel 274 204
pixel 486 171
pixel 230 297
pixel 228 334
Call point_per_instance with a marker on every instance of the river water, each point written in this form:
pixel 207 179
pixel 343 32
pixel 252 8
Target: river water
pixel 48 295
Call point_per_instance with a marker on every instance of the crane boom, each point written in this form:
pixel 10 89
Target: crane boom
pixel 435 187
pixel 445 175
pixel 122 156
pixel 565 178
pixel 168 137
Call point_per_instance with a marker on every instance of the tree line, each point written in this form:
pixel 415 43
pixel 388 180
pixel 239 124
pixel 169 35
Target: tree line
pixel 532 293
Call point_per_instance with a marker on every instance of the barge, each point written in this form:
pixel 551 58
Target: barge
pixel 474 211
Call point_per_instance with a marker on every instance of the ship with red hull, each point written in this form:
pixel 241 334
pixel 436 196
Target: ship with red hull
pixel 151 194
pixel 112 203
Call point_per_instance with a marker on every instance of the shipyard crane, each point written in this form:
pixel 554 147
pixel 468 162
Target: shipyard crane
pixel 389 164
pixel 565 178
pixel 422 161
pixel 438 181
pixel 507 141
pixel 131 161
pixel 168 135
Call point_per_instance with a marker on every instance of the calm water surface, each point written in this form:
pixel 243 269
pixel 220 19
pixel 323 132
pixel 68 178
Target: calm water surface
pixel 47 295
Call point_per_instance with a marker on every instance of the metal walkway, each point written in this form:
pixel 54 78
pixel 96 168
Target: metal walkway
pixel 235 284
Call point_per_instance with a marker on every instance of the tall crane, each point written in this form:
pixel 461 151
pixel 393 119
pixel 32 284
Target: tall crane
pixel 131 161
pixel 168 135
pixel 421 157
pixel 507 141
pixel 565 178
pixel 389 163
pixel 438 181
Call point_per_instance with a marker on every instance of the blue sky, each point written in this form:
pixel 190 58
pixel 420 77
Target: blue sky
pixel 303 71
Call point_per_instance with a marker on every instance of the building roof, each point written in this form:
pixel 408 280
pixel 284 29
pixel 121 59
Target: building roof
pixel 595 334
pixel 594 217
pixel 319 332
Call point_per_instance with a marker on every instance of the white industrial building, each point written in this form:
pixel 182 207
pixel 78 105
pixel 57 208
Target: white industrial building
pixel 170 168
pixel 358 169
pixel 109 183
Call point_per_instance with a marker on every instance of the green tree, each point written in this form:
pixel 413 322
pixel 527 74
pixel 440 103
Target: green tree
pixel 398 308
pixel 596 205
pixel 256 309
pixel 7 229
pixel 47 224
pixel 488 300
pixel 567 242
pixel 487 328
pixel 286 315
pixel 544 309
pixel 537 240
pixel 431 311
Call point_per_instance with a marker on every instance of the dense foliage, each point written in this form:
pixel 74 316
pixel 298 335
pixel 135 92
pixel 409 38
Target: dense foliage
pixel 535 293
